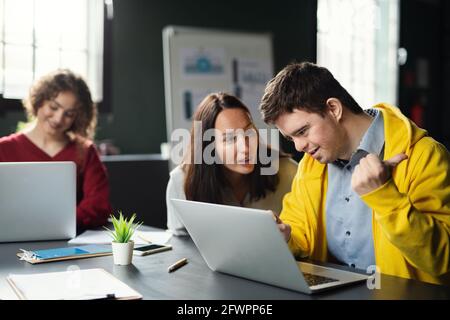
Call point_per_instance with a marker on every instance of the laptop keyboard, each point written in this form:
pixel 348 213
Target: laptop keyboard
pixel 314 280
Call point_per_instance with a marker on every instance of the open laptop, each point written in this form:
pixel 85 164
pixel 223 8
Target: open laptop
pixel 247 243
pixel 37 201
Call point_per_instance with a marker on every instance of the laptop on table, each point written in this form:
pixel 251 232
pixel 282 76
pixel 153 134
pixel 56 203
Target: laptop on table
pixel 247 243
pixel 37 201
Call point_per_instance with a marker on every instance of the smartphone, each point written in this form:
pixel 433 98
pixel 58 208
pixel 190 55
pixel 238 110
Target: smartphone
pixel 151 248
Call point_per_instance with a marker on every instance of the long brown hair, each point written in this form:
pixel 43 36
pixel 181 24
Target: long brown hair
pixel 206 182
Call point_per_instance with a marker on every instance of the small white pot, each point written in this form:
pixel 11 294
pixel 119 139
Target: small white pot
pixel 122 252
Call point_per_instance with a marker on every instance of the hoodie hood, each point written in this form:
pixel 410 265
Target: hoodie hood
pixel 402 132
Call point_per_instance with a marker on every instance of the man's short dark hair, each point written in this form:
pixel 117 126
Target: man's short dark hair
pixel 304 86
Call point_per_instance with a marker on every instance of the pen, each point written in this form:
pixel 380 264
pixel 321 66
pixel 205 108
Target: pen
pixel 177 265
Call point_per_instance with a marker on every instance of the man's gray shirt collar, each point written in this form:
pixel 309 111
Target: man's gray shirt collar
pixel 372 141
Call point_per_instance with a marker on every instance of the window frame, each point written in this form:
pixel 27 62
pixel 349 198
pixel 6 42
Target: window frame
pixel 103 106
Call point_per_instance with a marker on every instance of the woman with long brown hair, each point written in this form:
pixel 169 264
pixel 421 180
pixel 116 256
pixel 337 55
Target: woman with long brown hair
pixel 62 123
pixel 233 173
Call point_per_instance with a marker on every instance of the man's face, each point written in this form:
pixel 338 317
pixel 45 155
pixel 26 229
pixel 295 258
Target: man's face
pixel 321 137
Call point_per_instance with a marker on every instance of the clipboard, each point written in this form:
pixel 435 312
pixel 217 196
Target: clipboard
pixel 88 284
pixel 66 253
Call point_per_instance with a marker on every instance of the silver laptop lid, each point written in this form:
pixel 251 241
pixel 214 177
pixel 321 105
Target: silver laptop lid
pixel 241 241
pixel 37 201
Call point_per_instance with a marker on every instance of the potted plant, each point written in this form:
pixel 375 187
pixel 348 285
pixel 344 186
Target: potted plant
pixel 122 245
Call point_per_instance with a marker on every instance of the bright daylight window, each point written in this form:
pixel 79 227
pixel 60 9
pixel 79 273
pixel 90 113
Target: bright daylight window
pixel 38 36
pixel 357 41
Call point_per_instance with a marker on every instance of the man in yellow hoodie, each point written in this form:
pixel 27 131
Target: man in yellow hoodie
pixel 372 187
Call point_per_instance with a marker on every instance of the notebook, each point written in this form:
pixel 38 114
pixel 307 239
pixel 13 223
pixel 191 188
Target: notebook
pixel 66 253
pixel 77 284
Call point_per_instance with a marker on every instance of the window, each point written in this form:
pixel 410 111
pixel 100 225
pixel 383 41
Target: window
pixel 357 41
pixel 38 36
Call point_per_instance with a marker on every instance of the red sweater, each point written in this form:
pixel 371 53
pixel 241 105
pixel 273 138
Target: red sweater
pixel 93 207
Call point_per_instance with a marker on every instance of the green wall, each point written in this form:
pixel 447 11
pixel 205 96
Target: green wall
pixel 8 122
pixel 137 121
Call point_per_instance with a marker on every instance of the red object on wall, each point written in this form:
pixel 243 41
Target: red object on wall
pixel 417 114
pixel 409 79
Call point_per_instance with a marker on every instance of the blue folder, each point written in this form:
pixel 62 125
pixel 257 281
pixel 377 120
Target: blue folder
pixel 66 253
pixel 71 251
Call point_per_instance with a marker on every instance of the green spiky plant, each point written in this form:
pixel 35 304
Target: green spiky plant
pixel 123 228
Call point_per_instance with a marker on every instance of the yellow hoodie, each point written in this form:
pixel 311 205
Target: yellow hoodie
pixel 410 212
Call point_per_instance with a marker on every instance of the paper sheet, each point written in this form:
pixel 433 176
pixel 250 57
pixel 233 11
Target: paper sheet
pixel 6 292
pixel 73 285
pixel 102 237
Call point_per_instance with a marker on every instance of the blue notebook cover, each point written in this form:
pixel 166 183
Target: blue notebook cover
pixel 71 251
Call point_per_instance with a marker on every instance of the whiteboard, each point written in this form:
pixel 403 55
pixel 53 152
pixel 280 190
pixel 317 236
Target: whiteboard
pixel 200 61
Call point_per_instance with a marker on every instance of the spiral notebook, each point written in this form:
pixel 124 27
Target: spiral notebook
pixel 88 284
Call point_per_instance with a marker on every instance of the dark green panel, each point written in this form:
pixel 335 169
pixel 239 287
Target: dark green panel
pixel 8 122
pixel 421 33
